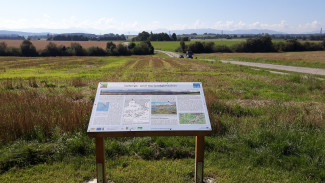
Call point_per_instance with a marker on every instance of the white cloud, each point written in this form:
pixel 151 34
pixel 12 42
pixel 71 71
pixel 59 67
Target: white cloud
pixel 110 23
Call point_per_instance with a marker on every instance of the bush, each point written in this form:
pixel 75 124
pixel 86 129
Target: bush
pixel 63 51
pixel 222 48
pixel 50 50
pixel 110 48
pixel 76 50
pixel 131 45
pixel 312 46
pixel 261 44
pixel 122 50
pixel 96 51
pixel 144 48
pixel 11 51
pixel 28 49
pixel 293 45
pixel 196 47
pixel 3 49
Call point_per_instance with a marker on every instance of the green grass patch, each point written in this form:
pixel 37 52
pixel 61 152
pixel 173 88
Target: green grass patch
pixel 266 127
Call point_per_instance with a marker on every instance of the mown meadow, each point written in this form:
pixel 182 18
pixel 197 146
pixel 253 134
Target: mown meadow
pixel 173 45
pixel 266 127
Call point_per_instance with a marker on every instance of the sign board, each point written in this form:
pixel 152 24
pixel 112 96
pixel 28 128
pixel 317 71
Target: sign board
pixel 123 107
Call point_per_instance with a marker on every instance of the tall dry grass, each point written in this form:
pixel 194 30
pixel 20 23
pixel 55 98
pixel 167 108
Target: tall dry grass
pixel 30 114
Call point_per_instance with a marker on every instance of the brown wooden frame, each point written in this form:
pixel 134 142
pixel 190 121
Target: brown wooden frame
pixel 100 148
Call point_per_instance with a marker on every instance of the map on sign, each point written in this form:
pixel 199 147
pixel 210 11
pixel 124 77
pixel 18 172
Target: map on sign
pixel 120 107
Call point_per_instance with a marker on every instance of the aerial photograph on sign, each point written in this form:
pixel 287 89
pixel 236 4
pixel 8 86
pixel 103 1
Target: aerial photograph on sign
pixel 163 108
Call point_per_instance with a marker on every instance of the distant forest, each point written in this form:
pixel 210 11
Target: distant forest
pixel 146 36
pixel 311 37
pixel 12 37
pixel 85 37
pixel 251 45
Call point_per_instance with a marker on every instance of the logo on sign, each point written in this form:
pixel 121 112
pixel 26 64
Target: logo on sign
pixel 196 85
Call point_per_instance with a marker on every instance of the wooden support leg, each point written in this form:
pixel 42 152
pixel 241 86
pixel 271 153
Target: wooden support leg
pixel 199 159
pixel 100 160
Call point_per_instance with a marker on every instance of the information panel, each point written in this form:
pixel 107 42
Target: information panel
pixel 122 107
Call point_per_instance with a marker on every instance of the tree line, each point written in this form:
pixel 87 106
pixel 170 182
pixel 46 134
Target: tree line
pixel 27 49
pixel 72 37
pixel 146 36
pixel 12 37
pixel 259 44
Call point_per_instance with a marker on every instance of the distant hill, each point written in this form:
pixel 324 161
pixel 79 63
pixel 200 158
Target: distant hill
pixel 19 33
pixel 215 31
pixel 75 31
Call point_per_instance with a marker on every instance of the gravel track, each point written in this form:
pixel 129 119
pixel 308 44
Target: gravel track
pixel 279 67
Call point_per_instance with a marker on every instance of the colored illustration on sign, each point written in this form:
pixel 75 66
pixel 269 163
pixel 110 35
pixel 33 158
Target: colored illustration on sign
pixel 192 118
pixel 102 106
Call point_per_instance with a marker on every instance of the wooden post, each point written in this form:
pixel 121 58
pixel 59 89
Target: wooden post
pixel 199 158
pixel 100 160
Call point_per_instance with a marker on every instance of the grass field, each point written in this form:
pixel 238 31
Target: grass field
pixel 173 45
pixel 266 127
pixel 41 44
pixel 315 59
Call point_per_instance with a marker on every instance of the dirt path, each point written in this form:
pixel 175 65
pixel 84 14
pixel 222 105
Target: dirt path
pixel 169 53
pixel 279 67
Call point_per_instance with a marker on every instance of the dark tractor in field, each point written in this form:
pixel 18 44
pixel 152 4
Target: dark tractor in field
pixel 189 54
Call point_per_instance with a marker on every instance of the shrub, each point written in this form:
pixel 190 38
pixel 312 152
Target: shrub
pixel 208 47
pixel 28 49
pixel 144 48
pixel 122 50
pixel 76 50
pixel 62 51
pixel 196 47
pixel 3 49
pixel 261 44
pixel 131 45
pixel 222 48
pixel 312 46
pixel 52 49
pixel 293 45
pixel 110 48
pixel 96 51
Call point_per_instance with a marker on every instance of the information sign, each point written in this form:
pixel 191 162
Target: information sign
pixel 149 109
pixel 123 107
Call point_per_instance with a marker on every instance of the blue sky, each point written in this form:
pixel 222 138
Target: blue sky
pixel 123 16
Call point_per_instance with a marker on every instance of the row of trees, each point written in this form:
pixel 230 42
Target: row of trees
pixel 12 37
pixel 260 44
pixel 145 36
pixel 312 37
pixel 28 49
pixel 105 37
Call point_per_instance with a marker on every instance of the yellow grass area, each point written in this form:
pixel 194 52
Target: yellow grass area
pixel 312 56
pixel 41 44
